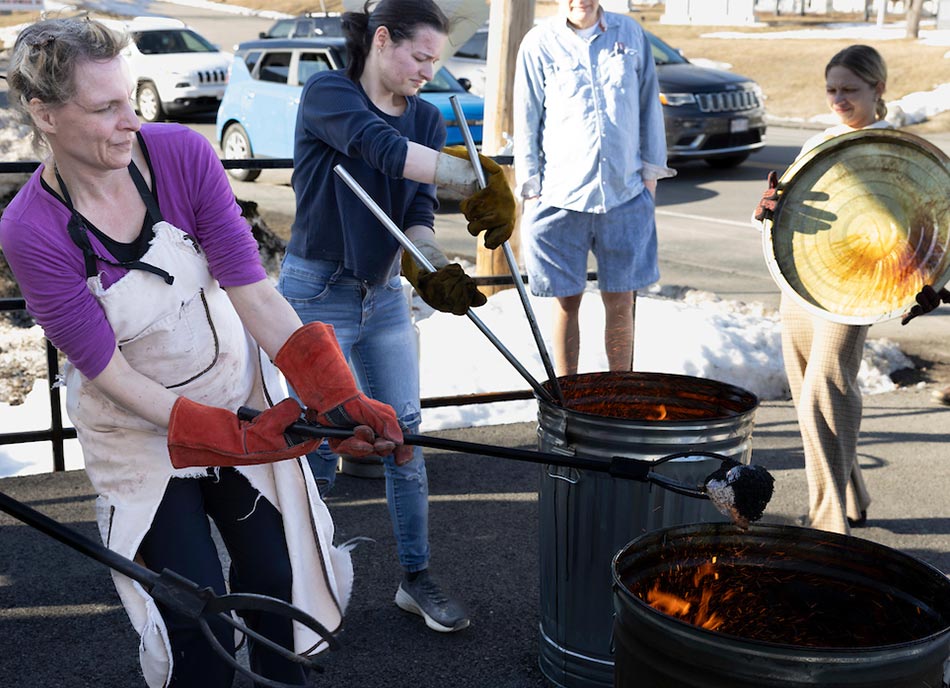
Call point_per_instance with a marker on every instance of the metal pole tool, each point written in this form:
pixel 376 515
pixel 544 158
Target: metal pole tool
pixel 509 254
pixel 183 596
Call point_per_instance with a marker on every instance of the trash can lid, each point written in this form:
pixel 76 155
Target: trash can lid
pixel 861 225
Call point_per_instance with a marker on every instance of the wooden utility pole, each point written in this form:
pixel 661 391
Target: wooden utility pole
pixel 509 21
pixel 914 9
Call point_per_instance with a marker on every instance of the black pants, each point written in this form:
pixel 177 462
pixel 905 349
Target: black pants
pixel 253 532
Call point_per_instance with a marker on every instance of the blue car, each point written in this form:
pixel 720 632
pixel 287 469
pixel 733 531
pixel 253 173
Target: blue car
pixel 259 109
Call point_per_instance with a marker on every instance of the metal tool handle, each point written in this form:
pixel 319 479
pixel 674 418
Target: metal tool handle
pixel 181 594
pixel 509 254
pixel 407 244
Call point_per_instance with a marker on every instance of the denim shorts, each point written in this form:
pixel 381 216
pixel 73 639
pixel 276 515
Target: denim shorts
pixel 556 243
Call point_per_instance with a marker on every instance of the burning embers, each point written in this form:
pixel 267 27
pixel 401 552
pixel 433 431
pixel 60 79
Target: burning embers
pixel 624 408
pixel 653 397
pixel 781 601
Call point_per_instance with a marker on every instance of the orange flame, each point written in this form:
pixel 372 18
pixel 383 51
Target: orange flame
pixel 681 607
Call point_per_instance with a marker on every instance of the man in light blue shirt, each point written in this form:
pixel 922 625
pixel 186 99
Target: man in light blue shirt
pixel 588 141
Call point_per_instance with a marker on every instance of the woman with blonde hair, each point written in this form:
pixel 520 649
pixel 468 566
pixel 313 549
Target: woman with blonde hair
pixel 132 254
pixel 823 358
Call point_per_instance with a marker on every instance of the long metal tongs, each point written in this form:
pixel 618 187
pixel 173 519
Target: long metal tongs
pixel 617 466
pixel 184 596
pixel 509 254
pixel 424 262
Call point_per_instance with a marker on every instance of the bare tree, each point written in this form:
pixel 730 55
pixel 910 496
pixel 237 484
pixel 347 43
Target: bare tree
pixel 913 18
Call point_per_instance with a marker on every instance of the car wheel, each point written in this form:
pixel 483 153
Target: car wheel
pixel 727 161
pixel 149 104
pixel 236 146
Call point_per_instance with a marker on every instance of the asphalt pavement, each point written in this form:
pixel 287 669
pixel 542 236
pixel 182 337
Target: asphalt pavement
pixel 61 624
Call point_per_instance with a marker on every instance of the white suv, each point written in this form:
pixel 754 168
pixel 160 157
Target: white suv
pixel 177 70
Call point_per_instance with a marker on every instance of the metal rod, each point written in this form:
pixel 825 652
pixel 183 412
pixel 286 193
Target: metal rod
pixel 509 254
pixel 78 542
pixel 407 244
pixel 179 593
pixel 617 466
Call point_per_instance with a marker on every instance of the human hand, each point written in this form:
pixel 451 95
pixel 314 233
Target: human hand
pixel 769 200
pixel 490 210
pixel 448 289
pixel 200 435
pixel 927 300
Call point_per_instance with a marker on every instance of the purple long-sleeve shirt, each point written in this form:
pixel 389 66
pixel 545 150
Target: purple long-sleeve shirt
pixel 193 194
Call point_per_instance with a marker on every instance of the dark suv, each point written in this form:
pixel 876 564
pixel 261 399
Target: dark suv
pixel 710 114
pixel 307 25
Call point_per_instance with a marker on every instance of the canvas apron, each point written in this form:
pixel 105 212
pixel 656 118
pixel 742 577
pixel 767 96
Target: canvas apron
pixel 187 336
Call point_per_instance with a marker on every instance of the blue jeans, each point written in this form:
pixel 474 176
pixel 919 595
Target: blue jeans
pixel 374 328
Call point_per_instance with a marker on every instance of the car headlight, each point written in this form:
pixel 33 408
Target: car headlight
pixel 677 99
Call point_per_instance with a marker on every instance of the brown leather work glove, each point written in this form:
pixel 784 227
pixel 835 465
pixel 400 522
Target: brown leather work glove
pixel 769 200
pixel 315 367
pixel 200 435
pixel 448 289
pixel 492 209
pixel 928 299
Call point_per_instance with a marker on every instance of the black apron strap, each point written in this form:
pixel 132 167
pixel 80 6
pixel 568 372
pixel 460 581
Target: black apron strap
pixel 151 205
pixel 76 227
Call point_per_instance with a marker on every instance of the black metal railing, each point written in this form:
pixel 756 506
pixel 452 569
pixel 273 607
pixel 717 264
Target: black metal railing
pixel 57 433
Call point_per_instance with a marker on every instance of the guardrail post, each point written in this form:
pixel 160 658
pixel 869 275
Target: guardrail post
pixel 56 413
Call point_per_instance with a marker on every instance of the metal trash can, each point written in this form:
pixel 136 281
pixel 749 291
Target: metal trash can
pixel 810 609
pixel 585 517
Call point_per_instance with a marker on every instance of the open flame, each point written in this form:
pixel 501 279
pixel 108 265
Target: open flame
pixel 694 605
pixel 771 596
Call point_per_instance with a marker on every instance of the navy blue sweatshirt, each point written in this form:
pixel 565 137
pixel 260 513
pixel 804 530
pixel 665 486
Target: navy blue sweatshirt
pixel 338 124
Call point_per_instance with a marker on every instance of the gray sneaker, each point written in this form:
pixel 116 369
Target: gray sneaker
pixel 424 597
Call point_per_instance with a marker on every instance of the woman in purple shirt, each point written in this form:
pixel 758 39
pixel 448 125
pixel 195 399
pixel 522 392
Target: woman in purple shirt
pixel 132 255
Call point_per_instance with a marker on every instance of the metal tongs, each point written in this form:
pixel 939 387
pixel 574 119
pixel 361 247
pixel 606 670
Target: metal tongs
pixel 184 596
pixel 737 490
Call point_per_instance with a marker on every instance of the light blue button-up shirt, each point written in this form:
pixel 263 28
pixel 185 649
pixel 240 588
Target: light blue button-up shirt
pixel 588 123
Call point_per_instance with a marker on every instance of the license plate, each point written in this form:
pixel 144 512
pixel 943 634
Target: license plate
pixel 738 125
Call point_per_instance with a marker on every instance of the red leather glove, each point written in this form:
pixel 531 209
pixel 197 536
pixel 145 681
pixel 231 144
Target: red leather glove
pixel 200 435
pixel 928 299
pixel 769 200
pixel 314 366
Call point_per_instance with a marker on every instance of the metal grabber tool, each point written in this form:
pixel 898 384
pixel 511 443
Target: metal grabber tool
pixel 737 490
pixel 509 254
pixel 184 596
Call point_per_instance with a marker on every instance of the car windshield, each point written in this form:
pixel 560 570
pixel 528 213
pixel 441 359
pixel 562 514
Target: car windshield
pixel 443 82
pixel 281 29
pixel 171 41
pixel 663 53
pixel 475 48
